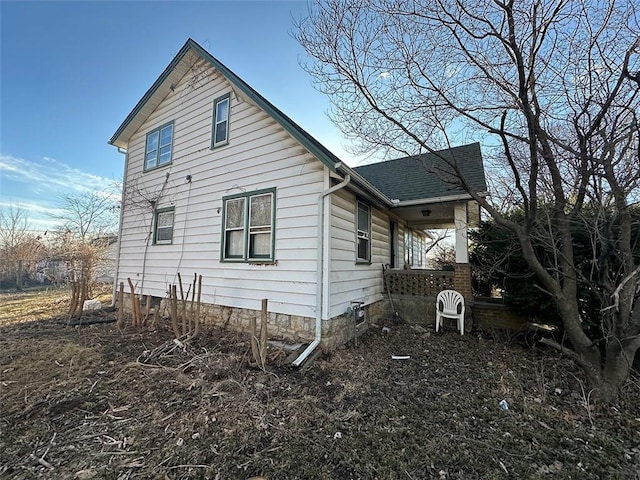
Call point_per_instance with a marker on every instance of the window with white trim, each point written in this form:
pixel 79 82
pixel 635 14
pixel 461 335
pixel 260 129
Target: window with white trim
pixel 363 222
pixel 408 247
pixel 158 147
pixel 248 227
pixel 220 134
pixel 163 226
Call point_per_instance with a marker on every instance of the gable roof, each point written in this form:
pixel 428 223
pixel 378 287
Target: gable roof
pixel 178 67
pixel 397 178
pixel 384 182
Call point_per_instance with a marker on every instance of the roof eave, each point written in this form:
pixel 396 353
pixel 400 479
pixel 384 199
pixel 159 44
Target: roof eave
pixel 441 199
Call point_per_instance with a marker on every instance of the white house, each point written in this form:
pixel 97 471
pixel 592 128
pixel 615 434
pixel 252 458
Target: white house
pixel 220 182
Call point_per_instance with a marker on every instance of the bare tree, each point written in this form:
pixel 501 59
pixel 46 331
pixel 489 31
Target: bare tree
pixel 553 86
pixel 20 246
pixel 88 223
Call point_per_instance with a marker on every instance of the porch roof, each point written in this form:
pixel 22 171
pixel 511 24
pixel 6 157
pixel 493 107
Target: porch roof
pixel 401 179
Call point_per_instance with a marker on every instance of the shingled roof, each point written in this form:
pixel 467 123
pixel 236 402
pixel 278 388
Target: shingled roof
pixel 427 176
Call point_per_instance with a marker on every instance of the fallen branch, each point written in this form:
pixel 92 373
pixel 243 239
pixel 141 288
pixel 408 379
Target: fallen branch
pixel 576 357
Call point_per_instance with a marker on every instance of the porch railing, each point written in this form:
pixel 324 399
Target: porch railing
pixel 426 283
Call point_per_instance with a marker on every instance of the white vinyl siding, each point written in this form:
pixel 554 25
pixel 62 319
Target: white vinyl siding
pixel 261 156
pixel 349 282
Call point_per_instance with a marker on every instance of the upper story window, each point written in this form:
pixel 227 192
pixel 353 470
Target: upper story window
pixel 220 135
pixel 163 226
pixel 248 227
pixel 159 147
pixel 363 221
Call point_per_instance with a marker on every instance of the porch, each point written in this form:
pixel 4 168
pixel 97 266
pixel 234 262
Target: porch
pixel 413 292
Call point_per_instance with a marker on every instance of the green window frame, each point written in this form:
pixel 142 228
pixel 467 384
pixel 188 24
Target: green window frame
pixel 220 125
pixel 163 226
pixel 363 232
pixel 158 147
pixel 248 227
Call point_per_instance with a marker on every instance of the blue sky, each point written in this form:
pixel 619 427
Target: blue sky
pixel 72 71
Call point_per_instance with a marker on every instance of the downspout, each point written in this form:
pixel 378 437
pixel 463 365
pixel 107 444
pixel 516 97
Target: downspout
pixel 124 185
pixel 320 270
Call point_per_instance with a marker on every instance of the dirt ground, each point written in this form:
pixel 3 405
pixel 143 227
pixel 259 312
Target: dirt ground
pixel 93 402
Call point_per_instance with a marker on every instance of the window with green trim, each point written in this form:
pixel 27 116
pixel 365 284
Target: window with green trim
pixel 248 227
pixel 163 226
pixel 220 134
pixel 363 222
pixel 158 147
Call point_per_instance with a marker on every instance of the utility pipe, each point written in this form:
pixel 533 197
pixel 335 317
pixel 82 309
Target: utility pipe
pixel 320 270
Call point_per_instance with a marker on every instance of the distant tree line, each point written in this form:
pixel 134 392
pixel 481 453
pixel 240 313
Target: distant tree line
pixel 71 253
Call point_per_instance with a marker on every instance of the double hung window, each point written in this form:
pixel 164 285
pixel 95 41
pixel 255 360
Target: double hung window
pixel 248 227
pixel 408 247
pixel 220 135
pixel 158 147
pixel 363 221
pixel 163 226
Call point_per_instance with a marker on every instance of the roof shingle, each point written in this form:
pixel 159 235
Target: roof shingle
pixel 428 175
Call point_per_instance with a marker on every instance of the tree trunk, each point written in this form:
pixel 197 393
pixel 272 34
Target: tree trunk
pixel 616 370
pixel 19 276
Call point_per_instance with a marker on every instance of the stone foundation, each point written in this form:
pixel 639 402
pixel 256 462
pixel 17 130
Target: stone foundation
pixel 335 332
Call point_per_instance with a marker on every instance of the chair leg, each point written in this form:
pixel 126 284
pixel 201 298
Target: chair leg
pixel 461 325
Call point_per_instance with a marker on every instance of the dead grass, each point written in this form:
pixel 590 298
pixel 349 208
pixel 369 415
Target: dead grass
pixel 96 403
pixel 18 307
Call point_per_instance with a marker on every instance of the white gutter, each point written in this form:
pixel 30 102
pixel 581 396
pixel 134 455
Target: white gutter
pixel 320 270
pixel 124 184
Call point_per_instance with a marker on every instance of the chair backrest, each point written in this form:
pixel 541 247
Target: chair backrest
pixel 450 301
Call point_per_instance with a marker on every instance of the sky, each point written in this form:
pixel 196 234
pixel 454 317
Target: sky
pixel 72 71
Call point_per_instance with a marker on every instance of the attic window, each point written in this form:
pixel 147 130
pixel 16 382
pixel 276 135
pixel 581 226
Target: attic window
pixel 159 147
pixel 220 135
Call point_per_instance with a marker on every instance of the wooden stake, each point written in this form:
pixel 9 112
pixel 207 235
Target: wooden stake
pixel 183 306
pixel 191 322
pixel 263 333
pixel 120 302
pixel 133 305
pixel 197 317
pixel 255 351
pixel 173 310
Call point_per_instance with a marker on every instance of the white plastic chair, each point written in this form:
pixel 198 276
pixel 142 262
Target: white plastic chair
pixel 448 302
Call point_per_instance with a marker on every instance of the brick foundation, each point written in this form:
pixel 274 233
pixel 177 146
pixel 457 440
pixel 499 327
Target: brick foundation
pixel 490 314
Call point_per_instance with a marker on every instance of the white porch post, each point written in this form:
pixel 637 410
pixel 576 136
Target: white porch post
pixel 460 223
